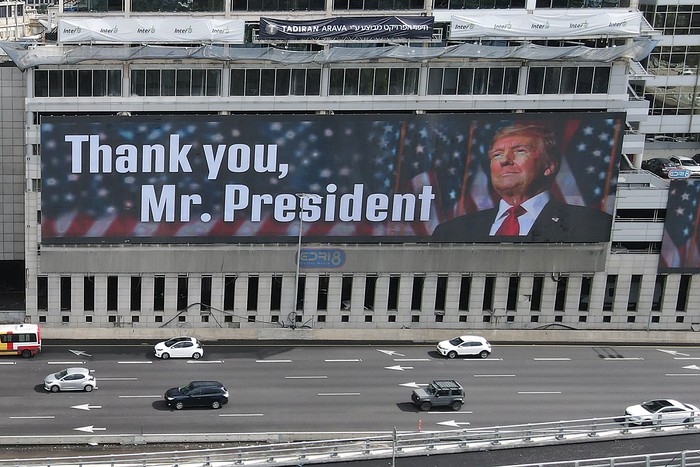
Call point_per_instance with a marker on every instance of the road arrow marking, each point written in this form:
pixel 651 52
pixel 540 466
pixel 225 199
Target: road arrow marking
pixel 673 352
pixel 89 429
pixel 413 385
pixel 453 423
pixel 80 353
pixel 691 367
pixel 86 407
pixel 391 352
pixel 398 367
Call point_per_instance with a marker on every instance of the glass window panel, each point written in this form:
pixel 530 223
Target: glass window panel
pixel 138 82
pixel 298 84
pixel 449 81
pixel 584 83
pixel 183 82
pixel 199 82
pixel 237 82
pixel 466 79
pixel 568 80
pixel 55 83
pixel 252 82
pixel 313 82
pixel 41 83
pixel 282 82
pixel 371 5
pixel 381 81
pixel 396 81
pixel 267 82
pixel 239 5
pixel 496 80
pixel 70 83
pixel 153 82
pixel 213 83
pixel 601 80
pixel 352 82
pixel 340 4
pixel 114 82
pixel 481 76
pixel 336 82
pixel 535 80
pixel 510 83
pixel 167 83
pixel 435 81
pixel 552 77
pixel 411 82
pixel 366 81
pixel 85 83
pixel 99 83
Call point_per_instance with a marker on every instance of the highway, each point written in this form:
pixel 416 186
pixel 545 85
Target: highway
pixel 338 390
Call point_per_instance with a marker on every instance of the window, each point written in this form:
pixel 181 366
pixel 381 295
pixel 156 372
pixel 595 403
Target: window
pixel 322 297
pixel 373 81
pixel 560 297
pixel 252 303
pixel 441 293
pixel 205 294
pixel 568 80
pixel 277 5
pixel 275 82
pixel 635 285
pixel 393 300
pixel 229 292
pixel 135 302
pixel 683 291
pixel 301 291
pixel 153 6
pixel 370 291
pixel 176 82
pixel 464 291
pixel 159 293
pixel 182 292
pixel 536 297
pixel 89 293
pixel 112 292
pixel 276 293
pixel 489 285
pixel 584 299
pixel 512 297
pixel 417 292
pixel 346 293
pixel 658 297
pixel 65 293
pixel 80 83
pixel 466 81
pixel 609 298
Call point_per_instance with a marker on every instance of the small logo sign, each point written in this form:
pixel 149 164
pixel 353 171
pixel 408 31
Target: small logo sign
pixel 679 173
pixel 321 258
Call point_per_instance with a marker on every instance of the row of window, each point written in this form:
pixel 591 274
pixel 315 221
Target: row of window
pixel 673 60
pixel 307 81
pixel 8 11
pixel 320 5
pixel 514 293
pixel 673 19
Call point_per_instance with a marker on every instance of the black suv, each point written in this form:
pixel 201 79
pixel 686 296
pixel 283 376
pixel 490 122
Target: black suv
pixel 661 166
pixel 439 393
pixel 197 394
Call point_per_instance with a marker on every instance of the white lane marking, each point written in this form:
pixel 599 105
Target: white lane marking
pixel 483 360
pixel 344 360
pixel 241 415
pixel 144 362
pixel 539 392
pixel 273 361
pixel 672 352
pixel 686 358
pixel 443 412
pixel 612 359
pixel 682 374
pixel 494 376
pixel 398 368
pixel 551 359
pixel 141 397
pixel 306 377
pixel 205 361
pixel 411 359
pixel 691 367
pixel 413 384
pixel 8 363
pixel 390 352
pixel 118 379
pixel 38 417
pixel 338 393
pixel 66 363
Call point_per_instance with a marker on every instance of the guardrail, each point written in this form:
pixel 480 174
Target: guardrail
pixel 393 445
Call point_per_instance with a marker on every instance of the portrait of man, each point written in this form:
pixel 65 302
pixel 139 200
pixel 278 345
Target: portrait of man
pixel 524 159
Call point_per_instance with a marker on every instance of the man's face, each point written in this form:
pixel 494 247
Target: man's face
pixel 519 167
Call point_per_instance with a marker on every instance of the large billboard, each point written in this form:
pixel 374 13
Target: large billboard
pixel 681 240
pixel 351 178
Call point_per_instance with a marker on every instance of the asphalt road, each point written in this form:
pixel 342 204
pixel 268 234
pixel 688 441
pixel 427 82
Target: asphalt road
pixel 338 390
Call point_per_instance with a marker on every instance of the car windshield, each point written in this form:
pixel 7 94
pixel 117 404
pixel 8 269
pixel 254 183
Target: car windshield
pixel 689 162
pixel 655 406
pixel 186 389
pixel 456 341
pixel 61 374
pixel 173 341
pixel 430 389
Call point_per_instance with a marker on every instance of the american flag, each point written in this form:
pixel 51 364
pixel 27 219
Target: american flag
pixel 679 248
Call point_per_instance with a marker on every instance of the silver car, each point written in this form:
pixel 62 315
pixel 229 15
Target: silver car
pixel 70 379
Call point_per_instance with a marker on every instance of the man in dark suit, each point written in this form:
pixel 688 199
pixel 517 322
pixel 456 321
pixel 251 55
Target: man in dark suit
pixel 524 161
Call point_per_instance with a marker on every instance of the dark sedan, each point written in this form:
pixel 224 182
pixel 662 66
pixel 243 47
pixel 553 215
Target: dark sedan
pixel 197 394
pixel 660 166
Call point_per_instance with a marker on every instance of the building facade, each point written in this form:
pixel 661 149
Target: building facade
pixel 85 275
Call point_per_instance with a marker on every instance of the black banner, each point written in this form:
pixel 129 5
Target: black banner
pixel 349 28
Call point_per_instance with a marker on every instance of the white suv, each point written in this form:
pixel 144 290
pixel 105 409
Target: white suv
pixel 465 345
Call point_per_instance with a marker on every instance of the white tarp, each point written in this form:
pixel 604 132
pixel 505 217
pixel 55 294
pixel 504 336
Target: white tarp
pixel 557 24
pixel 151 29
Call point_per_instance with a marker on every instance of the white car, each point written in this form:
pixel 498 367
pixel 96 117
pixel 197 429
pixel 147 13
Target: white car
pixel 179 347
pixel 465 345
pixel 70 379
pixel 688 164
pixel 661 411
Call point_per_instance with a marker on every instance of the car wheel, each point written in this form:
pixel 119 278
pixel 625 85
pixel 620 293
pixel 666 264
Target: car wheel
pixel 165 356
pixel 88 388
pixel 451 354
pixel 55 389
pixel 456 405
pixel 26 353
pixel 425 406
pixel 179 405
pixel 216 405
pixel 196 355
pixel 483 354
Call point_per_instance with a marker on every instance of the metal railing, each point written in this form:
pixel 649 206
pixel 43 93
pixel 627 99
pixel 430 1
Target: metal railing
pixel 397 444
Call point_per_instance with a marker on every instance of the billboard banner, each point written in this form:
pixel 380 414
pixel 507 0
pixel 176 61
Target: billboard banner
pixel 147 29
pixel 348 28
pixel 552 24
pixel 341 178
pixel 680 252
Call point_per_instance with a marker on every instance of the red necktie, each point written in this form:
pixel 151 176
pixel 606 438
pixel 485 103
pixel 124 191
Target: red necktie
pixel 510 225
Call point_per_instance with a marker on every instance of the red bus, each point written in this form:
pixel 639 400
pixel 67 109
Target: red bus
pixel 20 339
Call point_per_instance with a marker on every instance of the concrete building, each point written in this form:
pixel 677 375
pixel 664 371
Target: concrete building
pixel 112 65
